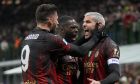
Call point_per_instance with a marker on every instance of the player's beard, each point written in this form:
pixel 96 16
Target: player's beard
pixel 53 28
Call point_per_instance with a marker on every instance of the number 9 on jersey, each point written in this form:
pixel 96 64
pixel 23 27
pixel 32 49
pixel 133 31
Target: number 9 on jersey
pixel 25 57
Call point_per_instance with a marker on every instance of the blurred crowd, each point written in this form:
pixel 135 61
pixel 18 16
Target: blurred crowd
pixel 130 73
pixel 17 19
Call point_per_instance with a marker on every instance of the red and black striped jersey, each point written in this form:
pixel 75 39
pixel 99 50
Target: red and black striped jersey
pixel 96 62
pixel 38 56
pixel 67 68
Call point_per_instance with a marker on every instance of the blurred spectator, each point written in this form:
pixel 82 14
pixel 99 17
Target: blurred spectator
pixel 131 80
pixel 136 29
pixel 17 42
pixel 128 20
pixel 124 80
pixel 4 47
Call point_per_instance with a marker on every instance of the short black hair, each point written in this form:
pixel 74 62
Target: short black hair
pixel 65 19
pixel 43 11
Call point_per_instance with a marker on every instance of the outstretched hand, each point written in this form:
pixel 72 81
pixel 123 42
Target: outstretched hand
pixel 92 81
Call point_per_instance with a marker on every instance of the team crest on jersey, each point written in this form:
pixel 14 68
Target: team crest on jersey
pixel 30 82
pixel 116 52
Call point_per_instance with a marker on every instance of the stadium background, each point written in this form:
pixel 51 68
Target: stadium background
pixel 17 19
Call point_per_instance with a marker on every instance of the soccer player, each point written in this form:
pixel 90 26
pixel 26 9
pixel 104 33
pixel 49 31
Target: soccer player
pixel 101 64
pixel 67 66
pixel 40 48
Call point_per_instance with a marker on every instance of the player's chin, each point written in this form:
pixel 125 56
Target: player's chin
pixel 75 33
pixel 87 36
pixel 55 26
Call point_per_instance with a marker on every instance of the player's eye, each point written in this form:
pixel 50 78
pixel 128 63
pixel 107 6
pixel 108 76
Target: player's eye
pixel 88 21
pixel 73 27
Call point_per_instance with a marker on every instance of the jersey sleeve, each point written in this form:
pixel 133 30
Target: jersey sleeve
pixel 112 52
pixel 59 45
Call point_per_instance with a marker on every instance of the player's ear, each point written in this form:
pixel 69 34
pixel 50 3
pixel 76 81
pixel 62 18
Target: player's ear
pixel 49 21
pixel 99 25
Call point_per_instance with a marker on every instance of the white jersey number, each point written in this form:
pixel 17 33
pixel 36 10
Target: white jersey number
pixel 25 59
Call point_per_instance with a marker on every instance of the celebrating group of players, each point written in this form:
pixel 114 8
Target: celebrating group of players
pixel 67 58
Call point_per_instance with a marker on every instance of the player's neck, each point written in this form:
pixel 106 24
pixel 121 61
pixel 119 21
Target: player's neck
pixel 43 26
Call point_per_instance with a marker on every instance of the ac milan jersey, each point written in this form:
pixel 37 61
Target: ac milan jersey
pixel 67 68
pixel 38 56
pixel 98 59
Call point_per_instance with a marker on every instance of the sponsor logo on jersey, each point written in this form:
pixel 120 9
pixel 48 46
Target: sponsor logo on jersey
pixel 89 67
pixel 30 82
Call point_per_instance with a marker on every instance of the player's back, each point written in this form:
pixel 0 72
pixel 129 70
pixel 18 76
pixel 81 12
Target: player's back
pixel 37 65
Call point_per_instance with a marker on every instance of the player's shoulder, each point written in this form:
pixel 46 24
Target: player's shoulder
pixel 40 33
pixel 111 48
pixel 54 36
pixel 109 42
